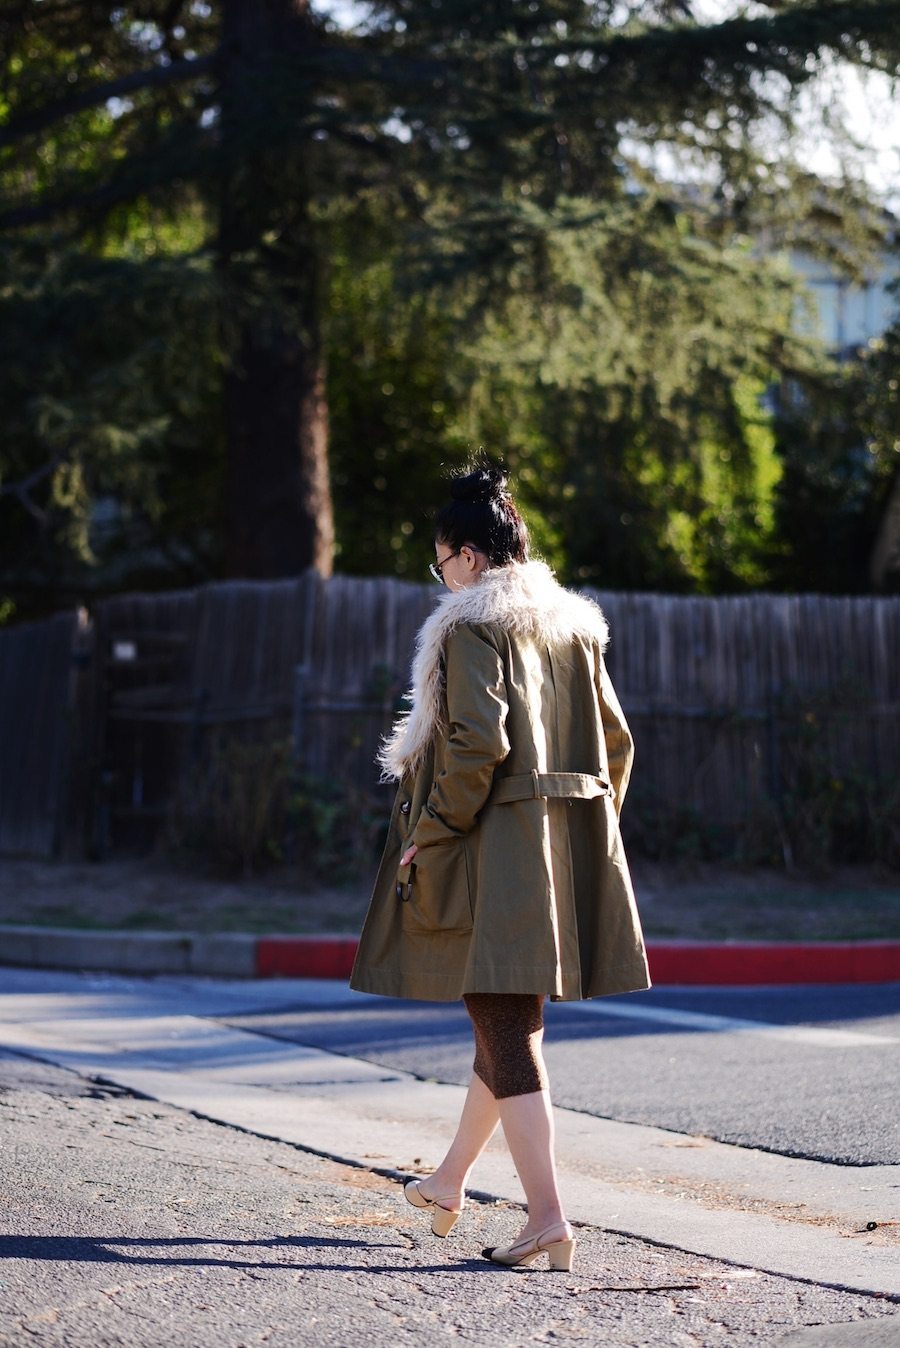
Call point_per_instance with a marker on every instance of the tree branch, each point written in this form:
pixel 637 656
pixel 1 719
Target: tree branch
pixel 792 34
pixel 356 63
pixel 22 488
pixel 154 77
pixel 178 159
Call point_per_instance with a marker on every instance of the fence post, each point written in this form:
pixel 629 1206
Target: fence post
pixel 72 829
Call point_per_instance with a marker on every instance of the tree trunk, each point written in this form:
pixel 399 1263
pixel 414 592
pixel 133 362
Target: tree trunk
pixel 278 515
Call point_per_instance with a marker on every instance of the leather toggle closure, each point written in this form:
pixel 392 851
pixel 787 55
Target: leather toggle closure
pixel 536 785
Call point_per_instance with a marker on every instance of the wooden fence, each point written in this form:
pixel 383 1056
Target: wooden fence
pixel 100 724
pixel 736 702
pixel 37 677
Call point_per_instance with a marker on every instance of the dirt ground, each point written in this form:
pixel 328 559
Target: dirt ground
pixel 149 893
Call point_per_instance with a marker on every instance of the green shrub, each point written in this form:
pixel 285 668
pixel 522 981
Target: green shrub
pixel 230 808
pixel 334 828
pixel 245 807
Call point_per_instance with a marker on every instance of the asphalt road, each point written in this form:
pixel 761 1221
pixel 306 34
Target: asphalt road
pixel 128 1222
pixel 810 1071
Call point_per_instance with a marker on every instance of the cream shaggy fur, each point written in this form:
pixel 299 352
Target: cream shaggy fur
pixel 523 597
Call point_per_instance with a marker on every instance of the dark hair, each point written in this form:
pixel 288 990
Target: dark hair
pixel 483 513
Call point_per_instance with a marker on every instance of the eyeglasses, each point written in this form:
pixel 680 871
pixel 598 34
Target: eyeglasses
pixel 437 568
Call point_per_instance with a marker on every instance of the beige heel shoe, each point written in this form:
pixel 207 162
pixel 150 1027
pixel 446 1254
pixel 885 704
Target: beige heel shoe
pixel 561 1253
pixel 443 1219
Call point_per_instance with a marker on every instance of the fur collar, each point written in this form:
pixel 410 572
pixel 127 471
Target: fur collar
pixel 523 597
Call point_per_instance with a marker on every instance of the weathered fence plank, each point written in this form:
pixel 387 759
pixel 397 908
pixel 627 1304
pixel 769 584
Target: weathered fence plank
pixel 36 698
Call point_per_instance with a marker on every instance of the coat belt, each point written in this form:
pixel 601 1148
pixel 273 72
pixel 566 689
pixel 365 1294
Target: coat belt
pixel 533 785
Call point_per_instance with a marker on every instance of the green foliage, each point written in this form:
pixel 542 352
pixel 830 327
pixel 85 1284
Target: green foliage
pixel 508 269
pixel 244 807
pixel 335 828
pixel 811 814
pixel 650 353
pixel 391 402
pixel 838 435
pixel 230 809
pixel 108 378
pixel 624 390
pixel 662 832
pixel 827 814
pixel 884 824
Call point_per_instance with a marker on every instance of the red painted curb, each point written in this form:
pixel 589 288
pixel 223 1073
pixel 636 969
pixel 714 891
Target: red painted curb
pixel 671 962
pixel 756 962
pixel 305 956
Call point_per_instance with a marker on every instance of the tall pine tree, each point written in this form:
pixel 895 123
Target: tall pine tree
pixel 485 129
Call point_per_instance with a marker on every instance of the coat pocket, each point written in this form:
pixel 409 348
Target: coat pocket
pixel 439 896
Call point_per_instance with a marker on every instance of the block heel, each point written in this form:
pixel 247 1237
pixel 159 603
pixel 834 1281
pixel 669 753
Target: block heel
pixel 443 1219
pixel 561 1255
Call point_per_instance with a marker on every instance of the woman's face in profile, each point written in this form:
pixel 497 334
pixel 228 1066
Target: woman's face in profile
pixel 459 569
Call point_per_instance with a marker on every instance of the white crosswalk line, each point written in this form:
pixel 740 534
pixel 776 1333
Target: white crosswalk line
pixel 699 1020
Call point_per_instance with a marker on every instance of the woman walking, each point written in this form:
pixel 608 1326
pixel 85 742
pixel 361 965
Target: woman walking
pixel 503 879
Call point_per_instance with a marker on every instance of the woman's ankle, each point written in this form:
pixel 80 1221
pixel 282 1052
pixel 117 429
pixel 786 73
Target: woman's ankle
pixel 439 1185
pixel 546 1221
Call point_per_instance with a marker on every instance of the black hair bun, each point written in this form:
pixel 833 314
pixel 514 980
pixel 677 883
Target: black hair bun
pixel 485 483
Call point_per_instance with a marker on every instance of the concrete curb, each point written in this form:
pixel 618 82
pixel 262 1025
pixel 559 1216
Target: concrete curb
pixel 235 955
pixel 225 955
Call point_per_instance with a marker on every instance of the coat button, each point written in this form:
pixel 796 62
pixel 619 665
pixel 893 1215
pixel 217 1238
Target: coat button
pixel 405 807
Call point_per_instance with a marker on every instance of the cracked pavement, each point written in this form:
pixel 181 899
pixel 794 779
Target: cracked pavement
pixel 130 1222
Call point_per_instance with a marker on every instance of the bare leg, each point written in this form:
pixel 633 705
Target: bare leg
pixel 509 1034
pixel 528 1126
pixel 477 1123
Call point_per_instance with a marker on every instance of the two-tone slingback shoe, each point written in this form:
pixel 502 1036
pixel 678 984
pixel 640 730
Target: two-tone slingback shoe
pixel 555 1242
pixel 443 1219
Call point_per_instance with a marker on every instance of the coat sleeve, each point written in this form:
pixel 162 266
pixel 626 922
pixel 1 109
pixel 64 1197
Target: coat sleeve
pixel 619 744
pixel 477 741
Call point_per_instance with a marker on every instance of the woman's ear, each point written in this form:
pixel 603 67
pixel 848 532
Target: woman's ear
pixel 479 561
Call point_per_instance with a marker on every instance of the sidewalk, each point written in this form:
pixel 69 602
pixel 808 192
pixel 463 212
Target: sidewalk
pixel 171 1229
pixel 170 1040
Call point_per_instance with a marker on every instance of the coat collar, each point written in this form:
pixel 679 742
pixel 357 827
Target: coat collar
pixel 524 598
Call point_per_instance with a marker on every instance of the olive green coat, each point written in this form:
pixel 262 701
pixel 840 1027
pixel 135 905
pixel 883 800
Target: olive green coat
pixel 512 767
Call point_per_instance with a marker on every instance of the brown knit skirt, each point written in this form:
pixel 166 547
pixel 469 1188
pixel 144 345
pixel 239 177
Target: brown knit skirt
pixel 509 1028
